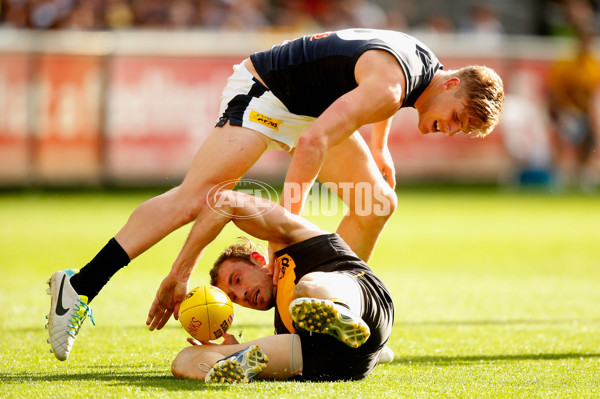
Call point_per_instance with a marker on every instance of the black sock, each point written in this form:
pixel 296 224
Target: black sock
pixel 93 276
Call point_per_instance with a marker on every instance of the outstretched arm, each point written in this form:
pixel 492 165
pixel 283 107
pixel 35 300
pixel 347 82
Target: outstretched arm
pixel 258 217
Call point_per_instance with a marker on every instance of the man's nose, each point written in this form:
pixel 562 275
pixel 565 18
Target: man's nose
pixel 241 293
pixel 452 129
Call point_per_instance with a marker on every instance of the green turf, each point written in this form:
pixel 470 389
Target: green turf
pixel 496 295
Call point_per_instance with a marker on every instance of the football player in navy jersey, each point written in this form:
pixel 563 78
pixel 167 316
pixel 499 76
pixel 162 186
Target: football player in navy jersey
pixel 307 96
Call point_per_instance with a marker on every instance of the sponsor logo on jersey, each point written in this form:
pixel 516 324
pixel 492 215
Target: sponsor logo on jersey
pixel 285 290
pixel 319 36
pixel 285 261
pixel 265 120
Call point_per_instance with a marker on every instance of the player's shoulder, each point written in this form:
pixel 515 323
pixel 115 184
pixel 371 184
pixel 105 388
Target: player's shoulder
pixel 382 71
pixel 379 58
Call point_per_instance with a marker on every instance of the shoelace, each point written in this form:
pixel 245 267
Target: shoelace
pixel 81 312
pixel 206 366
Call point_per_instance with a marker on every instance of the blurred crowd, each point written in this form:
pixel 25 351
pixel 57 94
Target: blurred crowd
pixel 537 16
pixel 557 135
pixel 553 140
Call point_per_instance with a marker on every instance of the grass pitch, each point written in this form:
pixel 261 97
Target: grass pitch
pixel 496 295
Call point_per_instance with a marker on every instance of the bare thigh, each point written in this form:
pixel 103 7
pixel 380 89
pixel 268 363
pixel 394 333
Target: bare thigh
pixel 224 157
pixel 350 171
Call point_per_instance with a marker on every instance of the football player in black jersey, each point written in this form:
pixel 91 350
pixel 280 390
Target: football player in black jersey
pixel 333 315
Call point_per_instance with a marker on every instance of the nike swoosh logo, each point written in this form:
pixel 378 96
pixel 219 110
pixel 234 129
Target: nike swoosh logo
pixel 59 309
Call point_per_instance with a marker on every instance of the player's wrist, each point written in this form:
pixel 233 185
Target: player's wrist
pixel 378 147
pixel 180 275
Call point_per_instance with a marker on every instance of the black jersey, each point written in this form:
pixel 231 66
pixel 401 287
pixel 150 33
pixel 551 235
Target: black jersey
pixel 324 357
pixel 309 73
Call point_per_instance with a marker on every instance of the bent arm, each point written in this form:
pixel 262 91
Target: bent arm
pixel 258 217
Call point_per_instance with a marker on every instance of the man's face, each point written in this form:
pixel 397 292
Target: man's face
pixel 247 285
pixel 443 113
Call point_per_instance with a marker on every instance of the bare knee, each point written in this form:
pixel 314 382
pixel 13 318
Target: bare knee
pixel 188 204
pixel 339 286
pixel 375 210
pixel 392 200
pixel 385 203
pixel 311 286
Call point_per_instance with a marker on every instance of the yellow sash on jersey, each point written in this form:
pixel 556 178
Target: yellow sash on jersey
pixel 285 289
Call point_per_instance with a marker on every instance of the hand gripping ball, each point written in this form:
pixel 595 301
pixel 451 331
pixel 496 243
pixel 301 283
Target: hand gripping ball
pixel 206 313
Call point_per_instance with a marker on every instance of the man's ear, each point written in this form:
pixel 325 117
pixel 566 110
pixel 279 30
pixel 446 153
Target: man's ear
pixel 451 84
pixel 258 258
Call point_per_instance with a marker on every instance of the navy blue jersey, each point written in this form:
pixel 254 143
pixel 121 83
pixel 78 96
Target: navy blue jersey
pixel 309 73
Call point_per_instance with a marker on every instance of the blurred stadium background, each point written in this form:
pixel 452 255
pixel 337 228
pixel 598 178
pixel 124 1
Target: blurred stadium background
pixel 121 92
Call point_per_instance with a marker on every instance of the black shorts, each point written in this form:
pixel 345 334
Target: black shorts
pixel 325 358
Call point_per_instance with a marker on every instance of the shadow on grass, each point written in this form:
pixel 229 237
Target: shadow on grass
pixel 168 382
pixel 495 322
pixel 173 325
pixel 129 378
pixel 456 360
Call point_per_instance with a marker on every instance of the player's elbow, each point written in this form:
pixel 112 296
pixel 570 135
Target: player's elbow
pixel 395 93
pixel 223 202
pixel 177 367
pixel 384 105
pixel 185 364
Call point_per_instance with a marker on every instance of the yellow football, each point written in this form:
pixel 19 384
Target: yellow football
pixel 206 313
